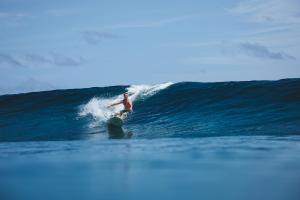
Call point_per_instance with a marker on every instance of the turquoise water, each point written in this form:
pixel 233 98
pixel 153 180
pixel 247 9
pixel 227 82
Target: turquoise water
pixel 227 140
pixel 258 167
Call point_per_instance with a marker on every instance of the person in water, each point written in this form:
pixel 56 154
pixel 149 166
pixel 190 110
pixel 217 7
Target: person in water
pixel 126 103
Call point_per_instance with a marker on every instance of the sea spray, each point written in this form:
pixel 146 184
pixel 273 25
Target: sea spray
pixel 98 109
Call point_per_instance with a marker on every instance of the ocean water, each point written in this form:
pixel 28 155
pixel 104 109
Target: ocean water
pixel 188 140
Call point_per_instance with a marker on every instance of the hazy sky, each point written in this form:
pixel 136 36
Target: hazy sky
pixel 71 44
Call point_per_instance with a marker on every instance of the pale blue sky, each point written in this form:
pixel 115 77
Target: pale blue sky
pixel 74 44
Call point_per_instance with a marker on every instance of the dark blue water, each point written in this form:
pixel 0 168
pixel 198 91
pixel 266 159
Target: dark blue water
pixel 229 140
pixel 181 110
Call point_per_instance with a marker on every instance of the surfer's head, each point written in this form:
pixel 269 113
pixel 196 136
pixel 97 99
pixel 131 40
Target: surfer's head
pixel 125 95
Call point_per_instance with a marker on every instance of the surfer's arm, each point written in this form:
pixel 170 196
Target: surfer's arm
pixel 114 104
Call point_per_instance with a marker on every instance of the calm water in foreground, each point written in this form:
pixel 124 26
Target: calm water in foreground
pixel 239 167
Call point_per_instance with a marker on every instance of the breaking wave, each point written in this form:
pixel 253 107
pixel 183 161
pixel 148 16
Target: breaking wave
pixel 184 110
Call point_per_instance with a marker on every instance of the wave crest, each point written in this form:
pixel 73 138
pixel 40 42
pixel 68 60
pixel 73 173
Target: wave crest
pixel 97 106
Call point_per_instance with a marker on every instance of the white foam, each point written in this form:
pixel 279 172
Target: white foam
pixel 144 91
pixel 97 107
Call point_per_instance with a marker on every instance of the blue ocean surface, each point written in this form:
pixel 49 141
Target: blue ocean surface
pixel 187 140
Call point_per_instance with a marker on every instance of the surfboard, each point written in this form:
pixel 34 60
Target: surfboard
pixel 116 121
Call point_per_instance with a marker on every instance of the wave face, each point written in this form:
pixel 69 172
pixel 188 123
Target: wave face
pixel 182 110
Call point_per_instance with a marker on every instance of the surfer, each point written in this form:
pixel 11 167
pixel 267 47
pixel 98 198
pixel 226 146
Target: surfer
pixel 126 103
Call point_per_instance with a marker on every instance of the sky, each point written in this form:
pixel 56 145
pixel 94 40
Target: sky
pixel 78 44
